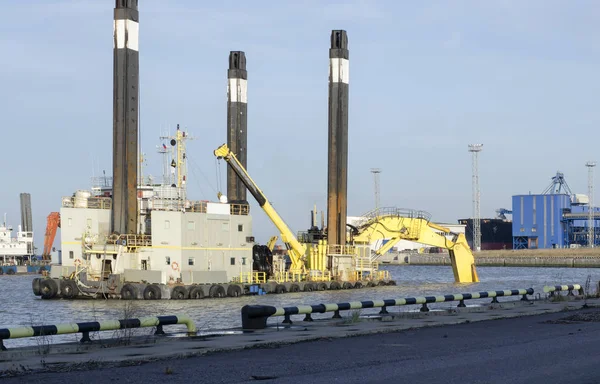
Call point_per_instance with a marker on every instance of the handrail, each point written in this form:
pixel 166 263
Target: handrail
pixel 95 326
pixel 255 316
pixel 558 288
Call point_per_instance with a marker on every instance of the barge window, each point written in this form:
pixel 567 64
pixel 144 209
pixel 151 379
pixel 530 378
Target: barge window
pixel 191 225
pixel 167 224
pixel 191 261
pixel 70 222
pixel 233 261
pixel 168 260
pixel 240 227
pixel 243 261
pixel 71 256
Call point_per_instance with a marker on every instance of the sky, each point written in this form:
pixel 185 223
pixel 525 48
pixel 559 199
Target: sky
pixel 426 80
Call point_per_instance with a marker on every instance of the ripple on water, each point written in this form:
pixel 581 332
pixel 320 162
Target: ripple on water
pixel 21 308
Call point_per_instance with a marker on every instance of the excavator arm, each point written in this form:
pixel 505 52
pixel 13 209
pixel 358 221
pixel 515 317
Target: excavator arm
pixel 53 223
pixel 271 243
pixel 397 225
pixel 296 250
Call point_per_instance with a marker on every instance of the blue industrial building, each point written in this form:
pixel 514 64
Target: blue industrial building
pixel 554 219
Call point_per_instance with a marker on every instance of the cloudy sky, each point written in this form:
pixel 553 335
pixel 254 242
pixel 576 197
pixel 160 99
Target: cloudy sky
pixel 427 79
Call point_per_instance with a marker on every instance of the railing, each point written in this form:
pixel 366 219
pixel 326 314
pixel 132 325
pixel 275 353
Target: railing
pixel 132 240
pixel 240 209
pixel 95 326
pixel 392 211
pixel 551 289
pixel 341 250
pixel 89 202
pixel 251 278
pixel 255 316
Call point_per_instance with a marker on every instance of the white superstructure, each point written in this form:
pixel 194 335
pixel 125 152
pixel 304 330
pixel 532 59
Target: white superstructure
pixel 15 250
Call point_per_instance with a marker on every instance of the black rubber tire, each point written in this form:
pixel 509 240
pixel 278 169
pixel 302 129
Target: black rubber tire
pixel 1 271
pixel 152 292
pixel 309 287
pixel 280 288
pixel 321 287
pixel 217 291
pixel 129 292
pixel 294 288
pixel 234 291
pixel 347 285
pixel 41 270
pixel 196 293
pixel 35 286
pixel 179 293
pixel 381 283
pixel 48 288
pixel 391 282
pixel 358 285
pixel 334 286
pixel 10 271
pixel 371 284
pixel 68 289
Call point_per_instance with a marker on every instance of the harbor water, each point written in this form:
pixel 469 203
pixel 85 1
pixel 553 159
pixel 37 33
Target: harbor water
pixel 19 307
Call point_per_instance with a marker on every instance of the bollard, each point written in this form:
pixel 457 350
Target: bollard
pixel 307 317
pixel 255 316
pixel 424 308
pixel 336 314
pixel 461 304
pixel 384 311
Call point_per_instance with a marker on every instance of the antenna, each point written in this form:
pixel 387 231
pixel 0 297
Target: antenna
pixel 475 149
pixel 376 172
pixel 591 227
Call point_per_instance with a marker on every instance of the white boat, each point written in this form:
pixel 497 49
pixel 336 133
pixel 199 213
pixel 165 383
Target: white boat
pixel 15 250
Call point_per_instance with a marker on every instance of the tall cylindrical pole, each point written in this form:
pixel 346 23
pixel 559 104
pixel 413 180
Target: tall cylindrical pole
pixel 337 183
pixel 475 149
pixel 591 221
pixel 125 116
pixel 237 122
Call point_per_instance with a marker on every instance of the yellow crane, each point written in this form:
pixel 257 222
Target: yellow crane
pixel 396 224
pixel 296 250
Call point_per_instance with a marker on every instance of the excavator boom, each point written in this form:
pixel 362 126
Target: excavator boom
pixel 53 223
pixel 395 224
pixel 296 251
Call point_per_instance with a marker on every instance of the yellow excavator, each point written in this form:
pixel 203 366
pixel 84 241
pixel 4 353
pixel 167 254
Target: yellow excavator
pixel 396 224
pixel 389 223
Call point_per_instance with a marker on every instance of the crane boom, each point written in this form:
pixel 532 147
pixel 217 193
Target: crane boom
pixel 296 250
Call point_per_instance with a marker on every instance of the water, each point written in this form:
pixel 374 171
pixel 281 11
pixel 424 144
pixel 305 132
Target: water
pixel 19 307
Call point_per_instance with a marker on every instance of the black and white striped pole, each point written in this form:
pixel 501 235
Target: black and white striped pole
pixel 95 326
pixel 125 116
pixel 237 122
pixel 337 172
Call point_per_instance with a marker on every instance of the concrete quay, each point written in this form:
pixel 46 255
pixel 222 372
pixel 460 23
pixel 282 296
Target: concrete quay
pixel 566 258
pixel 152 349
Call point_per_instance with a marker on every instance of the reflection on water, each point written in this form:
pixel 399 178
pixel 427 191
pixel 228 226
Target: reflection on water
pixel 20 307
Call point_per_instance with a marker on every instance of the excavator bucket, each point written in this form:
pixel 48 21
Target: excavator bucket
pixel 463 262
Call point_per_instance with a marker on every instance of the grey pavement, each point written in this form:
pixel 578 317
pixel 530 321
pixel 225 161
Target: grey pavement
pixel 523 349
